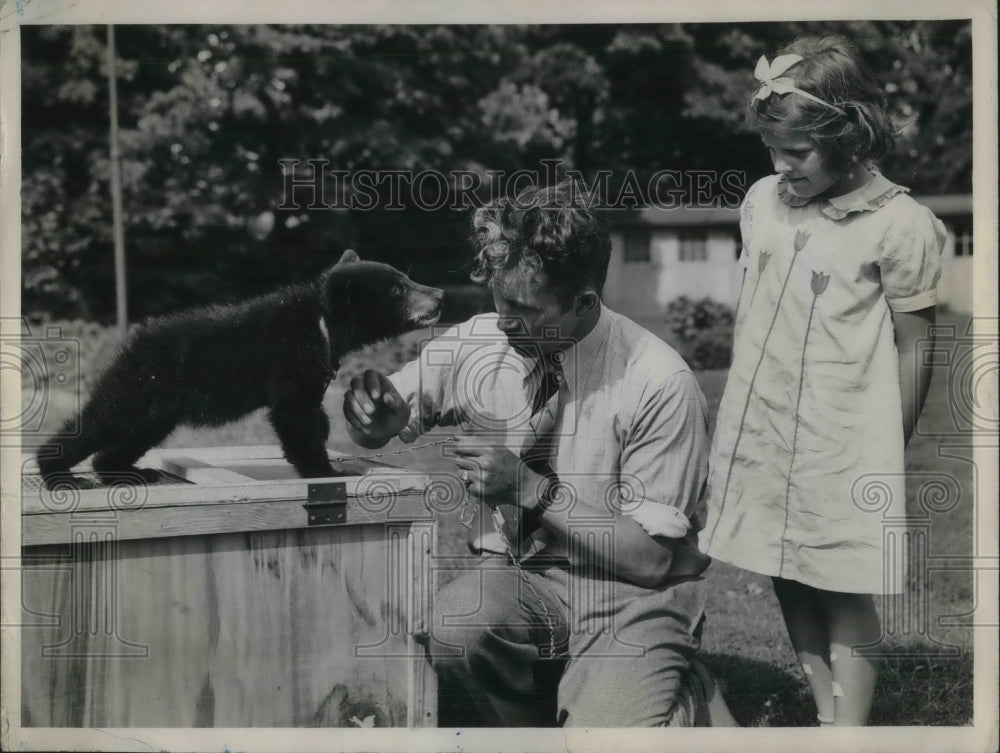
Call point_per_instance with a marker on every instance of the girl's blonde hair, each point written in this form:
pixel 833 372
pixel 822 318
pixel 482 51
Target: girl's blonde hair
pixel 832 70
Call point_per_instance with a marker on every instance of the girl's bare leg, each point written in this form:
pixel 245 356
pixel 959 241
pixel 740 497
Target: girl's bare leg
pixel 806 621
pixel 853 621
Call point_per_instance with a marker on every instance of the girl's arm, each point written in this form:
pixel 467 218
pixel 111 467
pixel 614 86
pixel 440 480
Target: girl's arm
pixel 914 375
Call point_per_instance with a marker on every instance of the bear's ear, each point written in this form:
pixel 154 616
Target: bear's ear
pixel 348 257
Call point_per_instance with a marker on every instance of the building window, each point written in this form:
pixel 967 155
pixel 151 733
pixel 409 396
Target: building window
pixel 637 245
pixel 963 238
pixel 693 245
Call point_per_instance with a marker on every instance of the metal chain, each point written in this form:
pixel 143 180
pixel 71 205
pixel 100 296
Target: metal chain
pixel 498 522
pixel 372 456
pixel 404 451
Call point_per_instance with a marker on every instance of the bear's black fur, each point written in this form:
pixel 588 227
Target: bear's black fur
pixel 212 365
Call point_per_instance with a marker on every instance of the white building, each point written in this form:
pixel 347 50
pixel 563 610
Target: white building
pixel 658 255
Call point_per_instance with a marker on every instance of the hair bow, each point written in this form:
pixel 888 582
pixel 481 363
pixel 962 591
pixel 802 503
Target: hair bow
pixel 772 82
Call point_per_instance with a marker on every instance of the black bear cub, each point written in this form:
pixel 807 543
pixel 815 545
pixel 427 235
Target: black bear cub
pixel 212 365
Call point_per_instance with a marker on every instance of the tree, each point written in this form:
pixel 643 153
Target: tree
pixel 208 112
pixel 926 68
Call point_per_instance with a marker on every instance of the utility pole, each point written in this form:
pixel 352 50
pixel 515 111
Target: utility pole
pixel 116 189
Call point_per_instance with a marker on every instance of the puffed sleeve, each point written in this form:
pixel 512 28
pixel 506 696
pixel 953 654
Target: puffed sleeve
pixel 910 259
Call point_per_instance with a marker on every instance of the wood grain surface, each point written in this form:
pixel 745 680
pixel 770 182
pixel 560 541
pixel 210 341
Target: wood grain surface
pixel 297 627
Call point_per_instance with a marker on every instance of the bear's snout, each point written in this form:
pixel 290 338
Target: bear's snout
pixel 424 304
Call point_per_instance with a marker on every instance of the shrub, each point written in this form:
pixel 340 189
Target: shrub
pixel 702 332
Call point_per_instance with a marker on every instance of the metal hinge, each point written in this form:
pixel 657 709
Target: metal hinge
pixel 326 504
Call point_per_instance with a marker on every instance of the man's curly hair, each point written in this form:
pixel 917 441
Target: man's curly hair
pixel 548 228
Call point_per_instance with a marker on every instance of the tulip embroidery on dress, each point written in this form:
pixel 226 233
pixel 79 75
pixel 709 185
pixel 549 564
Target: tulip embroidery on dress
pixel 798 243
pixel 765 257
pixel 762 259
pixel 801 239
pixel 818 284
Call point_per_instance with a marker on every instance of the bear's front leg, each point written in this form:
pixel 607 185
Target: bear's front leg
pixel 302 427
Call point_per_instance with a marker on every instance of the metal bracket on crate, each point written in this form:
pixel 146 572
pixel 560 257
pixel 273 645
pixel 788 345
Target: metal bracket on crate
pixel 326 504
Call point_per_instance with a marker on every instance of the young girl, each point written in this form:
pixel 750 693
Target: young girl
pixel 839 285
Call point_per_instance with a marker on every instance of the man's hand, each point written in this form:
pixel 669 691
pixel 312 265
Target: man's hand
pixel 374 409
pixel 495 473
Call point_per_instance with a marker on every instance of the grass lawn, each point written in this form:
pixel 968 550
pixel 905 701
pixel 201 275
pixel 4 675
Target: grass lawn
pixel 745 641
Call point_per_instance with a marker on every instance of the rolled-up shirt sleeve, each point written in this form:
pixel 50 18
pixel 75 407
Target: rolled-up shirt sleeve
pixel 407 383
pixel 665 458
pixel 427 385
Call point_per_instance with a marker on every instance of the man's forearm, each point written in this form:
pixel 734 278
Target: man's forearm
pixel 618 545
pixel 605 539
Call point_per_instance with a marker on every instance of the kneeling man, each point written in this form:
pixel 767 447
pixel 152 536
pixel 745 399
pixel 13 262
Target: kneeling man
pixel 585 442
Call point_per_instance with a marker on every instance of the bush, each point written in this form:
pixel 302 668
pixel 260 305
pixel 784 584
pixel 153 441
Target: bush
pixel 702 332
pixel 711 349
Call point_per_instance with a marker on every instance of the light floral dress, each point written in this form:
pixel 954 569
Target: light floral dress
pixel 806 465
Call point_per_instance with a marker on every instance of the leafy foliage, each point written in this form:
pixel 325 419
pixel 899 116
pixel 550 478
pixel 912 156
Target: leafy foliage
pixel 927 73
pixel 207 112
pixel 702 331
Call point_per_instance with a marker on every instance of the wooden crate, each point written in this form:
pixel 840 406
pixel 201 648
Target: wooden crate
pixel 230 594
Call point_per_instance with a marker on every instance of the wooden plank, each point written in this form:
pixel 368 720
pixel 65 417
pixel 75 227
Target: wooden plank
pixel 235 453
pixel 233 630
pixel 199 472
pixel 206 456
pixel 212 475
pixel 179 463
pixel 42 501
pixel 214 455
pixel 422 680
pixel 190 520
